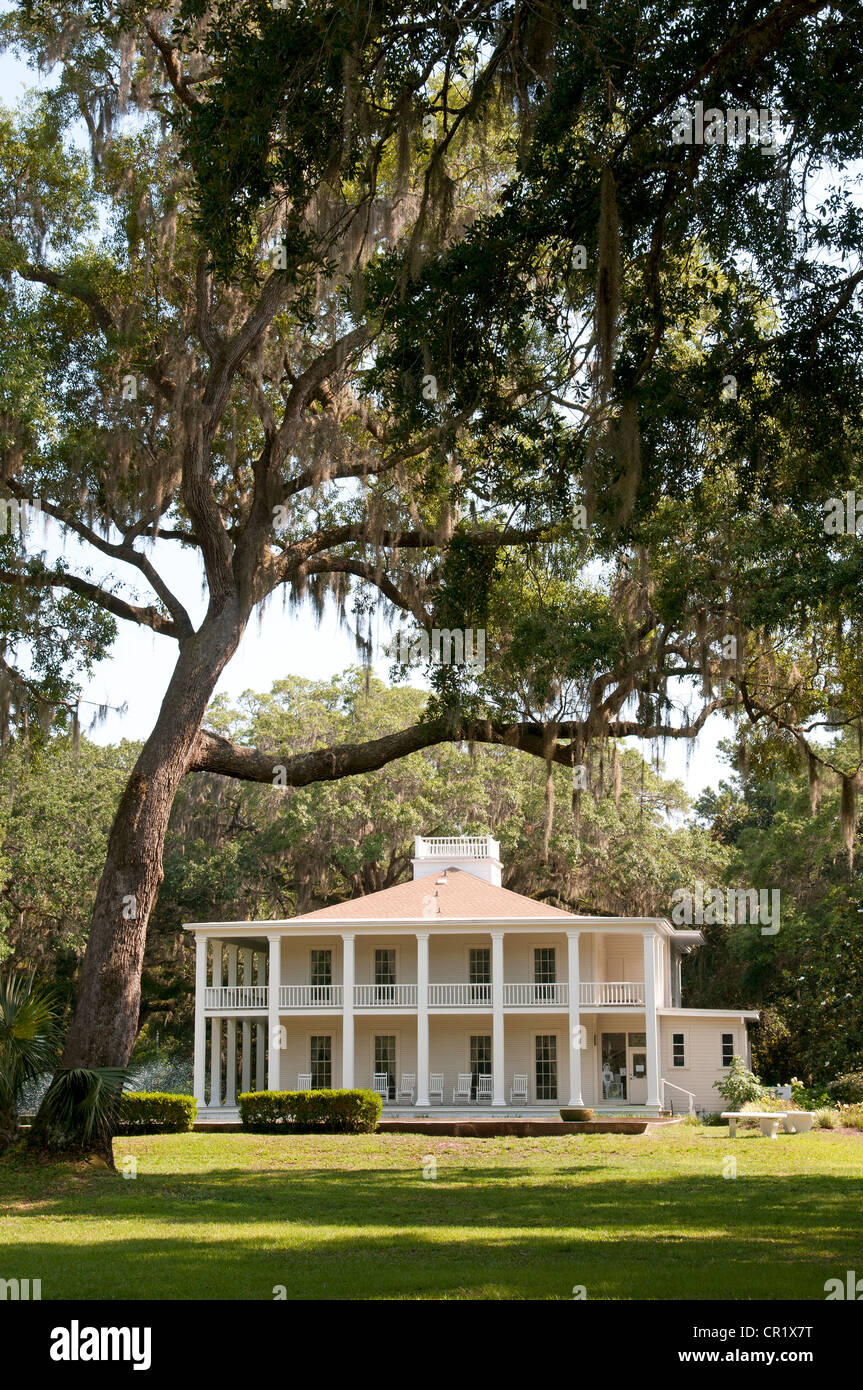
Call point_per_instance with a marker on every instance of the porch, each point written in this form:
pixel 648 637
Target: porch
pixel 464 1050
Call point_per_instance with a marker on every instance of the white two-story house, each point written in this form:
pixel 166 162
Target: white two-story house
pixel 451 976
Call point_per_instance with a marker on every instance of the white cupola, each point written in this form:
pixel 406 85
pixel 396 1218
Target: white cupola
pixel 475 854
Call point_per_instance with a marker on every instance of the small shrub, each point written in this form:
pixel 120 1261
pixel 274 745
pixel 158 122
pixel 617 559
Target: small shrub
pixel 847 1089
pixel 304 1112
pixel 826 1118
pixel 156 1112
pixel 739 1085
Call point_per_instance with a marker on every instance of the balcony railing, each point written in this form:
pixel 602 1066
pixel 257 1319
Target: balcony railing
pixel 611 992
pixel 385 996
pixel 459 996
pixel 535 996
pixel 310 997
pixel 596 993
pixel 456 847
pixel 237 997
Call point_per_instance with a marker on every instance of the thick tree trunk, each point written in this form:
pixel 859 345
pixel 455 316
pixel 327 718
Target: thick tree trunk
pixel 105 1023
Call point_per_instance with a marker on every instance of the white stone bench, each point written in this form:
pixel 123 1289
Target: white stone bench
pixel 769 1120
pixel 799 1121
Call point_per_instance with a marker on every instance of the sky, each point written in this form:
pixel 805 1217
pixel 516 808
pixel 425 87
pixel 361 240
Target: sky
pixel 280 643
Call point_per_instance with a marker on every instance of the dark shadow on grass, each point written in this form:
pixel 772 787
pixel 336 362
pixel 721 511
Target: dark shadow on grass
pixel 470 1197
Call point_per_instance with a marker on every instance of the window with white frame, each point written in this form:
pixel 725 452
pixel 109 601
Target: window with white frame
pixel 385 975
pixel 479 974
pixel 385 1060
pixel 546 1066
pixel 544 974
pixel 727 1049
pixel 479 1058
pixel 321 968
pixel 321 1061
pixel 678 1050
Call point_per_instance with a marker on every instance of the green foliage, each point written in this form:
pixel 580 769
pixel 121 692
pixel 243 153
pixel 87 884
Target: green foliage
pixel 740 1086
pixel 847 1089
pixel 29 1041
pixel 155 1112
pixel 808 978
pixel 808 1097
pixel 80 1109
pixel 301 1112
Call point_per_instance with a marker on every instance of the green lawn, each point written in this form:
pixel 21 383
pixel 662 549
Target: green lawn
pixel 649 1216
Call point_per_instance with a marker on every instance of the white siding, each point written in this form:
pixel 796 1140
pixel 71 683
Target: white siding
pixel 703 1055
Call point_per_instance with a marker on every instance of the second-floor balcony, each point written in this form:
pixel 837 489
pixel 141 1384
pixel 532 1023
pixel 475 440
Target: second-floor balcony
pixel 527 995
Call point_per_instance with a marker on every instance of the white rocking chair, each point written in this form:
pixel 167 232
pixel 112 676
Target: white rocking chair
pixel 518 1089
pixel 304 1081
pixel 381 1084
pixel 436 1086
pixel 484 1089
pixel 461 1091
pixel 408 1087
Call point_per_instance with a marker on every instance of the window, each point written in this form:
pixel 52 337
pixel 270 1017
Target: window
pixel 678 1050
pixel 385 975
pixel 544 974
pixel 480 1058
pixel 479 974
pixel 321 972
pixel 546 1067
pixel 321 1062
pixel 727 1049
pixel 385 1060
pixel 638 1040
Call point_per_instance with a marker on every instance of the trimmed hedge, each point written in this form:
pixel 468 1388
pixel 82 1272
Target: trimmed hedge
pixel 303 1112
pixel 156 1112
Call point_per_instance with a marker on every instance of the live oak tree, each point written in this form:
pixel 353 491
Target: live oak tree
pixel 422 306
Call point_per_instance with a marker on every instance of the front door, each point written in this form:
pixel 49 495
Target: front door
pixel 614 1067
pixel 637 1067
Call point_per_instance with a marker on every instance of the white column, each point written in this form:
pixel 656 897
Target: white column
pixel 274 983
pixel 246 1081
pixel 651 1021
pixel 200 1019
pixel 422 1018
pixel 348 972
pixel 261 1032
pixel 216 1033
pixel 231 1048
pixel 575 1031
pixel 497 1049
